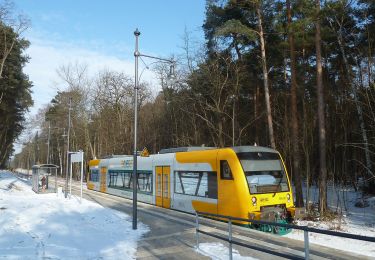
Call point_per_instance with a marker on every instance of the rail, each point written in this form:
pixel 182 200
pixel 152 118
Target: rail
pixel 306 230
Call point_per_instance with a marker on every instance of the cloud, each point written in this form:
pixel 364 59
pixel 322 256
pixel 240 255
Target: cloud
pixel 46 56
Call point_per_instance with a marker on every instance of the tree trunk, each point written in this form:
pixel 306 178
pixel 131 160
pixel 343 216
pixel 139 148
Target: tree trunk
pixel 265 77
pixel 293 110
pixel 256 109
pixel 321 120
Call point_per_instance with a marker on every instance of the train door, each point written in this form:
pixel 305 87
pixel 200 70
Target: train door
pixel 103 179
pixel 163 191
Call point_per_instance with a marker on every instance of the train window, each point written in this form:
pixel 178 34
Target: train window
pixel 94 175
pixel 158 181
pixel 145 181
pixel 112 179
pixel 120 179
pixel 225 171
pixel 200 184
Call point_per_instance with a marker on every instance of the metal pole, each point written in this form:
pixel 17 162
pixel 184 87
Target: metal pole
pixel 49 136
pixel 56 180
pixel 233 122
pixel 196 229
pixel 81 175
pixel 306 240
pixel 135 177
pixel 67 152
pixel 71 173
pixel 230 238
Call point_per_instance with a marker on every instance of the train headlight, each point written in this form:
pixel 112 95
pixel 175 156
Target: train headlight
pixel 254 201
pixel 288 197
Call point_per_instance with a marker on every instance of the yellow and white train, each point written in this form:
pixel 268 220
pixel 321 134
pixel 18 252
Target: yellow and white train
pixel 244 182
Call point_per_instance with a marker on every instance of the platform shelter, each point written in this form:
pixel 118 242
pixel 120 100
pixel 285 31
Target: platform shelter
pixel 44 178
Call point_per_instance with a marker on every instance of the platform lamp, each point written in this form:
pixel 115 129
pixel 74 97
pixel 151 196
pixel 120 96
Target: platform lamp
pixel 137 55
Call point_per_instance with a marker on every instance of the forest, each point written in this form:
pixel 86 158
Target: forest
pixel 297 76
pixel 15 87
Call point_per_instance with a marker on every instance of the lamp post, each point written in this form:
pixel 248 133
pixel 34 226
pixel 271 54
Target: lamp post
pixel 135 177
pixel 137 54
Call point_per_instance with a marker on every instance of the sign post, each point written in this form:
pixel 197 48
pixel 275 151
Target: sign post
pixel 81 175
pixel 76 157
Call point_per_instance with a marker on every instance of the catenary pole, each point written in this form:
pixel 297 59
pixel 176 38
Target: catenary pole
pixel 135 177
pixel 137 54
pixel 49 137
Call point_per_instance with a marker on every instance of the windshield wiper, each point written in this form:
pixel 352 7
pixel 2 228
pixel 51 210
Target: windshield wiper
pixel 278 185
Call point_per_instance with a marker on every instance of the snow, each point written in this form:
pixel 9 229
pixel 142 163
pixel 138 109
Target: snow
pixel 218 251
pixel 35 226
pixel 359 221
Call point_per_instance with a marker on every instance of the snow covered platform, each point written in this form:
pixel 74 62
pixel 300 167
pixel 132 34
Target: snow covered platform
pixel 48 226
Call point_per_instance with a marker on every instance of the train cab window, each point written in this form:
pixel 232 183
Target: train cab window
pixel 94 175
pixel 264 172
pixel 225 171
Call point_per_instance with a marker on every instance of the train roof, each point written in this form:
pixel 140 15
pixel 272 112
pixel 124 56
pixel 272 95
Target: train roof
pixel 246 149
pixel 236 149
pixel 185 149
pixel 115 156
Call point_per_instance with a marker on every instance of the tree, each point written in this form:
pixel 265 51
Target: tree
pixel 293 110
pixel 265 74
pixel 17 23
pixel 236 29
pixel 15 89
pixel 321 117
pixel 339 15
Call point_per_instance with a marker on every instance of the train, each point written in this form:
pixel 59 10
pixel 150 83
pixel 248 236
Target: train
pixel 249 182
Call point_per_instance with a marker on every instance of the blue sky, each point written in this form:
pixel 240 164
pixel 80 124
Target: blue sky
pixel 100 35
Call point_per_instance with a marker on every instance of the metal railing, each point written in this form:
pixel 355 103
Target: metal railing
pixel 305 229
pixel 22 175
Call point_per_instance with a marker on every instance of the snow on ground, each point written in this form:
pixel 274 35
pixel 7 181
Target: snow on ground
pixel 359 221
pixel 218 251
pixel 39 226
pixel 35 226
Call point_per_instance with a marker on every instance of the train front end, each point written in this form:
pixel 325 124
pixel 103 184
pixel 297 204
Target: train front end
pixel 93 176
pixel 269 194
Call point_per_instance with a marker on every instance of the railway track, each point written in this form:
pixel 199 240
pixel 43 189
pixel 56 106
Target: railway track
pixel 172 234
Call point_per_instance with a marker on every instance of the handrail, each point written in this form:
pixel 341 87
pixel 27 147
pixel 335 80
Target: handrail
pixel 292 226
pixel 306 229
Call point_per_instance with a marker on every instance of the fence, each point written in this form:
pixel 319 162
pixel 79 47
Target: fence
pixel 306 230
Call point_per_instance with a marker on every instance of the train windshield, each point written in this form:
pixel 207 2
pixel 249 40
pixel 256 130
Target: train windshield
pixel 264 172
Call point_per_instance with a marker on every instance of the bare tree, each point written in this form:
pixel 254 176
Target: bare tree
pixel 9 20
pixel 214 100
pixel 339 22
